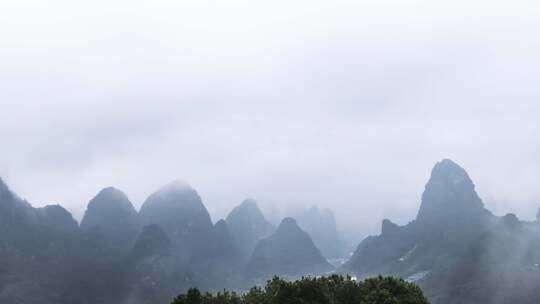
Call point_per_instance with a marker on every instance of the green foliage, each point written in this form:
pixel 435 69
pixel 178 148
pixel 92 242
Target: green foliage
pixel 324 290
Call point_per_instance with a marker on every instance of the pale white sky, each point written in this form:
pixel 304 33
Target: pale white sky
pixel 344 104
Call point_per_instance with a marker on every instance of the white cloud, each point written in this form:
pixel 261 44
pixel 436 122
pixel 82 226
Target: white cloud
pixel 344 104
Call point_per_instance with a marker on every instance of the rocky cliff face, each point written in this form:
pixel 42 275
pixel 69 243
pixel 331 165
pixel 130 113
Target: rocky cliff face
pixel 288 251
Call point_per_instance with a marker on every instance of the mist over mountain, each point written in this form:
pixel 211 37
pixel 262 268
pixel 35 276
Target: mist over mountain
pixel 248 226
pixel 56 217
pixel 226 248
pixel 179 210
pixel 456 250
pixel 501 266
pixel 156 275
pixel 451 216
pixel 322 228
pixel 152 241
pixel 289 251
pixel 450 197
pixel 111 212
pixel 46 258
pixel 188 151
pixel 15 211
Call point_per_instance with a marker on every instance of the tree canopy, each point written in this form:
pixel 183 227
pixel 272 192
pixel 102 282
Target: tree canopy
pixel 334 289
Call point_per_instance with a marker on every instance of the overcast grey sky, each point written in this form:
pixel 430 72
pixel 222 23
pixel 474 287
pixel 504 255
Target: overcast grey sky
pixel 343 104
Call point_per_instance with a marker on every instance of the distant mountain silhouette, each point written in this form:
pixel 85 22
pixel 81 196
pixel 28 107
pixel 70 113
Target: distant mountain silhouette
pixel 455 249
pixel 321 227
pixel 248 225
pixel 46 259
pixel 449 197
pixel 56 217
pixel 288 251
pixel 451 216
pixel 179 210
pixel 222 266
pixel 111 212
pixel 451 219
pixel 225 247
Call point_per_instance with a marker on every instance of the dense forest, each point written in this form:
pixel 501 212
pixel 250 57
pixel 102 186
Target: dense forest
pixel 316 290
